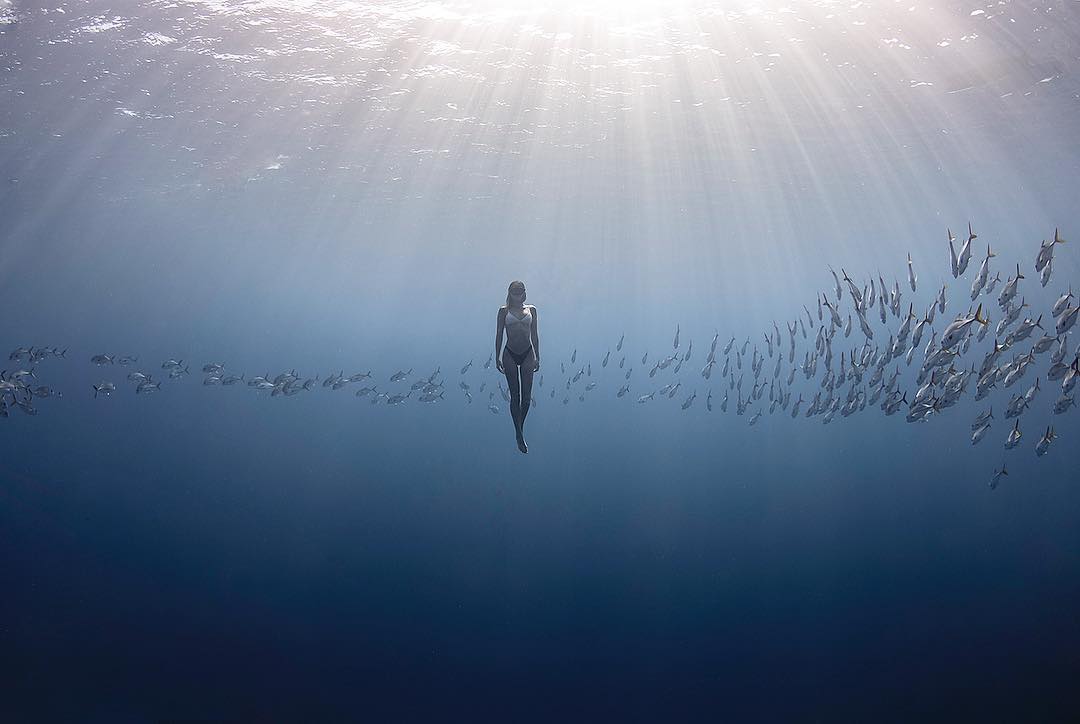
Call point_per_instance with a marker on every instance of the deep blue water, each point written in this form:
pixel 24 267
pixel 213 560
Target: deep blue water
pixel 351 186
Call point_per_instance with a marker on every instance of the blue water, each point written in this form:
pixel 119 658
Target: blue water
pixel 350 186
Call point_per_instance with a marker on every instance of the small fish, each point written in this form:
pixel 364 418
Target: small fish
pixel 1043 445
pixel 981 419
pixel 964 257
pixel 1061 304
pixel 102 359
pixel 952 254
pixel 1014 437
pixel 998 475
pixel 1066 321
pixel 104 388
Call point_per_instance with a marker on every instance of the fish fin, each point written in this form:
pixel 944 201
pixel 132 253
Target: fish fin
pixel 981 319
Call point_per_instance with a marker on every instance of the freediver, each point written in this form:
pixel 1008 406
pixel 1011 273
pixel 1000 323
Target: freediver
pixel 520 359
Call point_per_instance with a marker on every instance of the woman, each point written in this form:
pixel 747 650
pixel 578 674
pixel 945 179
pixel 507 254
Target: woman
pixel 520 357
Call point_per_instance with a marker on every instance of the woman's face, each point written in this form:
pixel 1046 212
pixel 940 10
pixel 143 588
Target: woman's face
pixel 517 294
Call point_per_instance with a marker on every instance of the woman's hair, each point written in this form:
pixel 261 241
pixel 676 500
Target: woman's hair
pixel 512 284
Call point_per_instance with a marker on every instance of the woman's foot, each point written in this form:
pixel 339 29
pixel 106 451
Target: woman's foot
pixel 521 444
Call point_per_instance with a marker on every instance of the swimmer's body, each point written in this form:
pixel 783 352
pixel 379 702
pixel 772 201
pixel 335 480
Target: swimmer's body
pixel 520 359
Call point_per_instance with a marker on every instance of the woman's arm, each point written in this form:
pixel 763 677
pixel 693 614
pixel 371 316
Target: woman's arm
pixel 535 339
pixel 500 322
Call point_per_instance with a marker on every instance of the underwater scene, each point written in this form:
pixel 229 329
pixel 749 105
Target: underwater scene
pixel 479 360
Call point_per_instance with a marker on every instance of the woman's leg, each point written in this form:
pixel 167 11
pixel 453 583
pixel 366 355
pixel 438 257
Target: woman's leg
pixel 510 369
pixel 526 385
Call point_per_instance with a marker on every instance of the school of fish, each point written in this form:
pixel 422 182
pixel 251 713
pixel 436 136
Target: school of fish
pixel 847 376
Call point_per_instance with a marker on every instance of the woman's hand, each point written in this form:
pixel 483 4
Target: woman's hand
pixel 498 365
pixel 537 367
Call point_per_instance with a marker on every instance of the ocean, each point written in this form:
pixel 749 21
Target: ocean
pixel 330 192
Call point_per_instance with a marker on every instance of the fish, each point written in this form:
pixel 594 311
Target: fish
pixel 102 359
pixel 1061 304
pixel 978 435
pixel 1023 331
pixel 618 347
pixel 964 257
pixel 1014 437
pixel 856 295
pixel 399 375
pixel 983 274
pixel 1065 320
pixel 1063 403
pixel 998 474
pixel 1043 445
pixel 1008 292
pixel 982 418
pixel 147 387
pixel 466 367
pixel 1046 252
pixel 952 254
pixel 958 329
pixel 104 388
pixel 911 273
